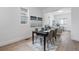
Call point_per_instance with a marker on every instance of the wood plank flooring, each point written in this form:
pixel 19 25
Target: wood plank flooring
pixel 66 44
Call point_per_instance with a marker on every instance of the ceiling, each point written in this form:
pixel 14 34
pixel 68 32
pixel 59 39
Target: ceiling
pixel 51 9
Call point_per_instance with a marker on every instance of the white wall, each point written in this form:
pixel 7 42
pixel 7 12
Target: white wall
pixel 75 24
pixel 67 20
pixel 35 11
pixel 11 30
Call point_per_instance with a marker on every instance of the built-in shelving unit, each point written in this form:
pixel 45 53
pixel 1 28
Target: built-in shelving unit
pixel 36 21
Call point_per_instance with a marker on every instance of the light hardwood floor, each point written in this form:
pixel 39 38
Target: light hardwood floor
pixel 66 44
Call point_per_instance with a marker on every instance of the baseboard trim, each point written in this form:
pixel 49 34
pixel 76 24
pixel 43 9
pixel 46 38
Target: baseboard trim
pixel 4 43
pixel 75 40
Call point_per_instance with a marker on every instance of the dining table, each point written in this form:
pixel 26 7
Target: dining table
pixel 44 34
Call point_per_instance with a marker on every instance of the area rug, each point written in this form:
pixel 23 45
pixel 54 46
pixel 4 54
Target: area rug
pixel 38 47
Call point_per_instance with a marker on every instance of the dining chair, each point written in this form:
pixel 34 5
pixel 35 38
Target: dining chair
pixel 50 39
pixel 59 32
pixel 36 36
pixel 55 34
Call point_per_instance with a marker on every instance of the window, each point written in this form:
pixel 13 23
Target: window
pixel 61 21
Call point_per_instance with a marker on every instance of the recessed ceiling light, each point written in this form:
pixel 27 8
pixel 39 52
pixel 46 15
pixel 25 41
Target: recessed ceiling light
pixel 60 11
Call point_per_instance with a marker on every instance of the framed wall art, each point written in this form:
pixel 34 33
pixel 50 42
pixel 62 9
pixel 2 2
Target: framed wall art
pixel 24 15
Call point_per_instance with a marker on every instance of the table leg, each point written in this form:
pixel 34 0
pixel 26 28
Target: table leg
pixel 32 38
pixel 44 43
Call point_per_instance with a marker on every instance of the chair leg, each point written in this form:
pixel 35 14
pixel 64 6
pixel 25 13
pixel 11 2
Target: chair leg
pixel 53 41
pixel 55 38
pixel 41 41
pixel 48 44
